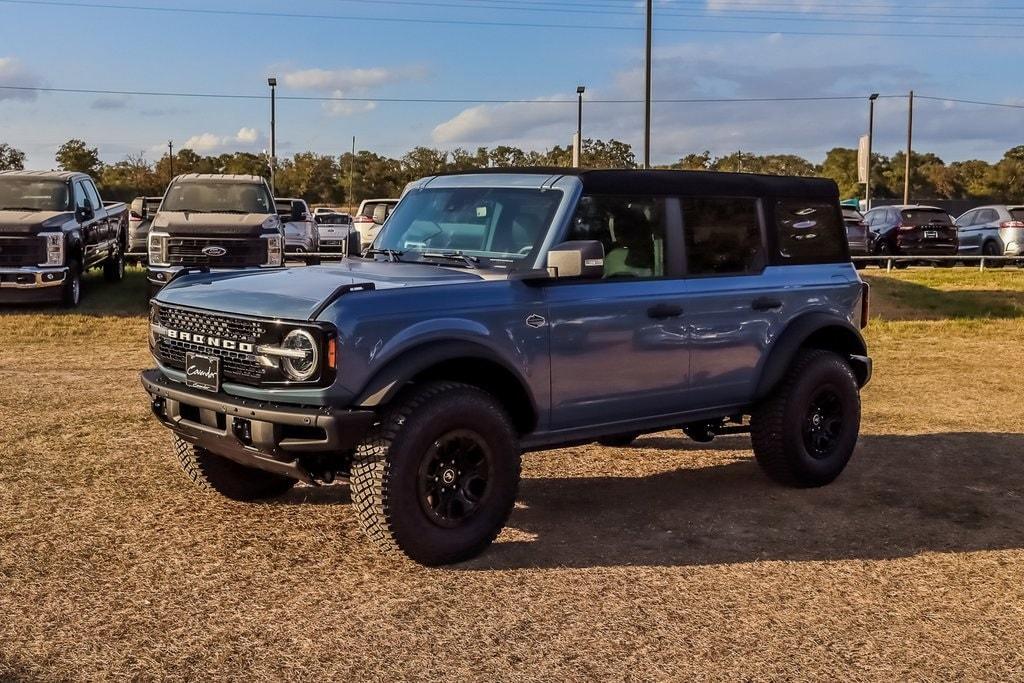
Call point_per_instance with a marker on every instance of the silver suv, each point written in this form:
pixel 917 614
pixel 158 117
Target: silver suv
pixel 992 231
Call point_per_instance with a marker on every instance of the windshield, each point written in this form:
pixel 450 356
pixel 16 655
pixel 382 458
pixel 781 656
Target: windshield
pixel 33 194
pixel 498 223
pixel 217 197
pixel 333 219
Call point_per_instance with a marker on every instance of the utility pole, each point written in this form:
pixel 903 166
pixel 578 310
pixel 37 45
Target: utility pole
pixel 579 127
pixel 351 176
pixel 871 141
pixel 272 82
pixel 910 148
pixel 647 77
pixel 170 159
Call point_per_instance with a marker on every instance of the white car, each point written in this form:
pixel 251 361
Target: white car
pixel 370 217
pixel 321 210
pixel 337 234
pixel 300 233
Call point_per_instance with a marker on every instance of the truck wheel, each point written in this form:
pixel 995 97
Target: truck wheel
pixel 805 432
pixel 618 440
pixel 226 477
pixel 113 270
pixel 992 249
pixel 437 477
pixel 71 294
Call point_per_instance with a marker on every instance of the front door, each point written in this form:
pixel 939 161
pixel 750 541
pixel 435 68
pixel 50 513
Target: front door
pixel 619 349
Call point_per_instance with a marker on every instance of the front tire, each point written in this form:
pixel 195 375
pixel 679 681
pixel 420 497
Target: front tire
pixel 436 478
pixel 231 480
pixel 805 432
pixel 71 293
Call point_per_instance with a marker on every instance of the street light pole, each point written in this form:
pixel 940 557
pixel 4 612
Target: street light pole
pixel 272 82
pixel 579 126
pixel 351 176
pixel 170 159
pixel 871 141
pixel 647 78
pixel 910 148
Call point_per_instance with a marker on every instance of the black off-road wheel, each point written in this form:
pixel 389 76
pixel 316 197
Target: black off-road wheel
pixel 71 290
pixel 113 269
pixel 436 478
pixel 619 440
pixel 231 480
pixel 804 433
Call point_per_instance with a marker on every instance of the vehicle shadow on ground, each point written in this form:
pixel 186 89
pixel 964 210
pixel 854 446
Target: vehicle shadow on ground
pixel 903 300
pixel 900 496
pixel 125 299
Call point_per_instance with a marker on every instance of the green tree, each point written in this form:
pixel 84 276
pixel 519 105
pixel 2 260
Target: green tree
pixel 76 155
pixel 129 178
pixel 694 162
pixel 11 159
pixel 313 177
pixel 504 156
pixel 974 177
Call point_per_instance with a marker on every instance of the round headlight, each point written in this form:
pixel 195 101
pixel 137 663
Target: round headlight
pixel 300 369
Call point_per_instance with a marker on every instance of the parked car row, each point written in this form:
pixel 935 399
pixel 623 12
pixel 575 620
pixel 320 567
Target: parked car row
pixel 928 231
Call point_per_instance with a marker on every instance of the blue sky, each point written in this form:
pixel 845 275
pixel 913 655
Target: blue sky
pixel 728 49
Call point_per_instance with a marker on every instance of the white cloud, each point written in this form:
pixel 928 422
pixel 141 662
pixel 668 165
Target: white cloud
pixel 16 75
pixel 245 140
pixel 342 83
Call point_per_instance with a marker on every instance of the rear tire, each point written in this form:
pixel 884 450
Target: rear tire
pixel 231 480
pixel 805 432
pixel 113 270
pixel 992 249
pixel 436 478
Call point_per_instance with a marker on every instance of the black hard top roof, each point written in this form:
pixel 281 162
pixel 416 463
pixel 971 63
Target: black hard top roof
pixel 714 183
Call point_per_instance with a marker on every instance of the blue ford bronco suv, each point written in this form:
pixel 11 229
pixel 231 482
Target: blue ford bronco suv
pixel 512 311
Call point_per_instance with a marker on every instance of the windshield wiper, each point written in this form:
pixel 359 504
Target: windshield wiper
pixel 473 262
pixel 392 255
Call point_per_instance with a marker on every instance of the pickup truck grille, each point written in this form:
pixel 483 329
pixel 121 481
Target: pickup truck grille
pixel 22 251
pixel 186 251
pixel 236 366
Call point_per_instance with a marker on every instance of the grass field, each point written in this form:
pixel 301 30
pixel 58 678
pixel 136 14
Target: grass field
pixel 670 560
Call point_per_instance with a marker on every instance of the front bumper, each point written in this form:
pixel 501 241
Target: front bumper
pixel 31 283
pixel 260 434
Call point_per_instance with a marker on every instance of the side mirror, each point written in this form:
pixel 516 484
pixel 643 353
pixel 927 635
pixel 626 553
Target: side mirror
pixel 298 212
pixel 577 258
pixel 84 213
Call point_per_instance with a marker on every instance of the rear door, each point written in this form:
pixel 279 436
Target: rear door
pixel 969 232
pixel 619 348
pixel 731 307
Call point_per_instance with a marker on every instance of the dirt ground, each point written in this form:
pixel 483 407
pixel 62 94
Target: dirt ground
pixel 670 560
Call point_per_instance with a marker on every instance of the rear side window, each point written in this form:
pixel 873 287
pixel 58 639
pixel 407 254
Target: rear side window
pixel 988 216
pixel 723 236
pixel 924 217
pixel 1017 214
pixel 809 232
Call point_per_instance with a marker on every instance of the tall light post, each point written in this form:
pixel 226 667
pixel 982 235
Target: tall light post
pixel 871 142
pixel 579 126
pixel 910 148
pixel 647 80
pixel 272 82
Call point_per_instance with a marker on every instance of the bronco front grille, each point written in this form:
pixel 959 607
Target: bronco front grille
pixel 22 251
pixel 236 366
pixel 237 253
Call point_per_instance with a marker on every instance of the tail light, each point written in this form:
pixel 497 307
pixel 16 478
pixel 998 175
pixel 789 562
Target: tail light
pixel 135 216
pixel 363 219
pixel 865 304
pixel 1012 224
pixel 903 226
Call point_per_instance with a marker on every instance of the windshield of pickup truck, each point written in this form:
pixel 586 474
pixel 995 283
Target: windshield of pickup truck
pixel 32 194
pixel 217 197
pixel 495 223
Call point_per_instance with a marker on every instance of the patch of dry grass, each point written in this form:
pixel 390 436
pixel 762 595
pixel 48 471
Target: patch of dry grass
pixel 668 560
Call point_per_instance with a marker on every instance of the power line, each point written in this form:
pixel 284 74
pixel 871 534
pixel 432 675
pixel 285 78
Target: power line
pixel 494 24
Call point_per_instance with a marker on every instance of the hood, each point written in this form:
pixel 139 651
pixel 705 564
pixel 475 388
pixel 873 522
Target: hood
pixel 295 293
pixel 192 224
pixel 30 222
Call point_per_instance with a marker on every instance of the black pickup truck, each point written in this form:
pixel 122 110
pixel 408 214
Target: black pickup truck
pixel 53 228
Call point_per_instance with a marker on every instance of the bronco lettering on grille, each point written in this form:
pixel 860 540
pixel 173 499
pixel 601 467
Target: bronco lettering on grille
pixel 215 342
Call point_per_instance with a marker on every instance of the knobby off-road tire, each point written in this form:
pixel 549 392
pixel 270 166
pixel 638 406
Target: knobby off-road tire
pixel 237 482
pixel 435 433
pixel 805 432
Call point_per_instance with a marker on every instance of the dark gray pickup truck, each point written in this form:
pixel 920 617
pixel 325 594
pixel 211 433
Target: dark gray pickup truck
pixel 53 228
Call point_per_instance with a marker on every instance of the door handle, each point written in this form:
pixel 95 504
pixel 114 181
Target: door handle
pixel 766 304
pixel 663 311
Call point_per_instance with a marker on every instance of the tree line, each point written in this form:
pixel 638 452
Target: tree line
pixel 326 179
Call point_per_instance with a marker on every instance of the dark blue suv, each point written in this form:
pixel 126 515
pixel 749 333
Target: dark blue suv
pixel 503 312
